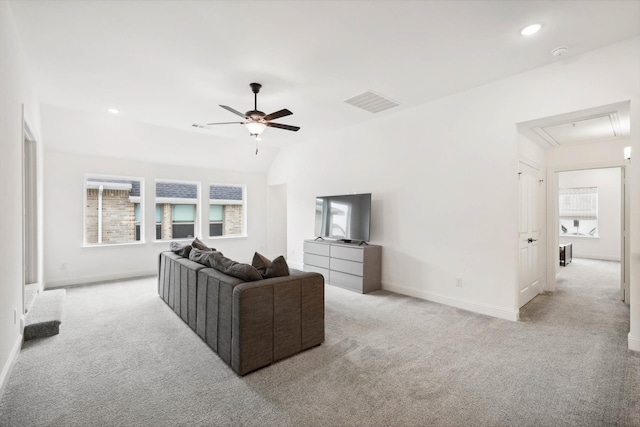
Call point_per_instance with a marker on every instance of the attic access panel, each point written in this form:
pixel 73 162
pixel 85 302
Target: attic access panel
pixel 588 129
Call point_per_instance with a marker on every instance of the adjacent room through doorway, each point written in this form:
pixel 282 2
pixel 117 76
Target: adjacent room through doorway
pixel 591 229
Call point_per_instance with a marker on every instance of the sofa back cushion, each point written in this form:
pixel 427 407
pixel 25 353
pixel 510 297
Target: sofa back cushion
pixel 228 266
pixel 180 249
pixel 198 244
pixel 200 256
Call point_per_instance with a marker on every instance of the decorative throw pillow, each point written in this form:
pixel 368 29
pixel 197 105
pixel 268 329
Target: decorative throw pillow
pixel 260 262
pixel 197 243
pixel 276 268
pixel 200 256
pixel 228 266
pixel 180 249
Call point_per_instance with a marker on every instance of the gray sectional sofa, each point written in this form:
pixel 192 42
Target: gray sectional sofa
pixel 248 324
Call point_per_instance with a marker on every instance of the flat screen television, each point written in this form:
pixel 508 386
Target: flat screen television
pixel 346 217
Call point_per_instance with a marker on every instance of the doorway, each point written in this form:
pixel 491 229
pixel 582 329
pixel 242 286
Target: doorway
pixel 589 210
pixel 30 217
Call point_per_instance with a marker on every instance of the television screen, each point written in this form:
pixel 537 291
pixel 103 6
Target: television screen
pixel 346 217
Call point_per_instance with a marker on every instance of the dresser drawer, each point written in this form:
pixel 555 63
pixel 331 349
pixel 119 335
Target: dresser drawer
pixel 344 266
pixel 347 281
pixel 316 260
pixel 316 248
pixel 345 252
pixel 313 269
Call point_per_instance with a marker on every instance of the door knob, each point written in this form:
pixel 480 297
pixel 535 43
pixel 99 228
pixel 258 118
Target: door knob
pixel 530 240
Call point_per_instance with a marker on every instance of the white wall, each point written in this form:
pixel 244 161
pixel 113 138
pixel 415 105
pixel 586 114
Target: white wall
pixel 607 245
pixel 64 191
pixel 445 197
pixel 16 90
pixel 276 220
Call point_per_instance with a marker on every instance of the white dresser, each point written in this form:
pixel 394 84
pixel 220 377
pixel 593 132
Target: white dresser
pixel 349 266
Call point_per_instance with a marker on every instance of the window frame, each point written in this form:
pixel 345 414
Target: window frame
pixel 178 201
pixel 586 214
pixel 135 200
pixel 225 202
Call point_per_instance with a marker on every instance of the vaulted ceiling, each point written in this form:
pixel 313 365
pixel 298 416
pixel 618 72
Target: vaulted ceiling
pixel 170 63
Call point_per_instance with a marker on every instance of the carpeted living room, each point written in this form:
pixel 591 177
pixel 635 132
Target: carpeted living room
pixel 396 233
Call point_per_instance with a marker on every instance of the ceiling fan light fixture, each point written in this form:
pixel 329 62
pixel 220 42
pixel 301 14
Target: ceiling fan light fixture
pixel 255 128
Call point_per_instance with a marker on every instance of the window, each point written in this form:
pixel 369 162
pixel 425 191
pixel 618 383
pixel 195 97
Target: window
pixel 579 211
pixel 227 211
pixel 113 210
pixel 176 209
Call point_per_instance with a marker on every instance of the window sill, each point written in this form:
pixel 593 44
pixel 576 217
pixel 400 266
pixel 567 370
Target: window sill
pixel 234 236
pixel 103 245
pixel 182 239
pixel 579 236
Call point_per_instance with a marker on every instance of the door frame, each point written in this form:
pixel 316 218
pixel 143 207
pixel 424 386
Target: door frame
pixel 552 221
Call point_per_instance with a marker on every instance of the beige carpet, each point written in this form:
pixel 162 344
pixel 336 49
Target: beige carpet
pixel 123 358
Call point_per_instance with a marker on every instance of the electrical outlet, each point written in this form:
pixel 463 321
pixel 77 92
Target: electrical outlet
pixel 63 266
pixel 459 282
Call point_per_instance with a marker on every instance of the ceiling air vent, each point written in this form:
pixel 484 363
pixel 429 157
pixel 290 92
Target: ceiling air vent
pixel 371 102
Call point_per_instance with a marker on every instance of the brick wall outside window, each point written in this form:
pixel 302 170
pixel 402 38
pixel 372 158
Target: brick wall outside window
pixel 118 217
pixel 232 219
pixel 167 224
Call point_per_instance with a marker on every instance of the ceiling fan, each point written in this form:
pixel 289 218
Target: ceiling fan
pixel 256 121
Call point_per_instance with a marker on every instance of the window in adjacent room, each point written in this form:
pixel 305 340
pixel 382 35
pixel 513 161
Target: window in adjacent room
pixel 579 211
pixel 176 209
pixel 113 210
pixel 227 210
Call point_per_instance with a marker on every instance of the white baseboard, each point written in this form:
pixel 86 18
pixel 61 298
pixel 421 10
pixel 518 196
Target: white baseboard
pixel 296 265
pixel 489 310
pixel 633 342
pixel 99 279
pixel 596 257
pixel 8 366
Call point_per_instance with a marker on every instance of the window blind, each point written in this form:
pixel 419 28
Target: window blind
pixel 578 203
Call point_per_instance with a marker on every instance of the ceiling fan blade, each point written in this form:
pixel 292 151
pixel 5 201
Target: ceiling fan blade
pixel 234 111
pixel 277 115
pixel 285 127
pixel 206 126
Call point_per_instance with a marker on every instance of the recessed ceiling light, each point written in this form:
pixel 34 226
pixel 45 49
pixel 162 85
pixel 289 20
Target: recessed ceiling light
pixel 113 111
pixel 530 29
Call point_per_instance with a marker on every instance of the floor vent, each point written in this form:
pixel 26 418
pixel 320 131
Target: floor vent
pixel 371 102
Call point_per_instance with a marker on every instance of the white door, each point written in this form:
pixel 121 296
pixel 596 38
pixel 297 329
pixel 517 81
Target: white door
pixel 529 283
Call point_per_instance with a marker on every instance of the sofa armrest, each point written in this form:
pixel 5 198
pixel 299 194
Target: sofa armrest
pixel 276 318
